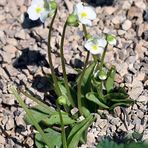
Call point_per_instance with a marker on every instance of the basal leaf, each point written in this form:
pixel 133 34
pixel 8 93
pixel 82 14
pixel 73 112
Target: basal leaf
pixel 91 97
pixel 39 113
pixel 109 144
pixel 78 130
pixel 109 84
pixel 53 136
pixel 54 119
pixel 118 104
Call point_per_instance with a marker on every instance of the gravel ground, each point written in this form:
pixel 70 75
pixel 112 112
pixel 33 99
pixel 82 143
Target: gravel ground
pixel 23 60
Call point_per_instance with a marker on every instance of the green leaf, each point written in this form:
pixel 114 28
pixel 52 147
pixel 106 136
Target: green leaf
pixel 54 119
pixel 77 131
pixel 53 137
pixel 137 145
pixel 110 80
pixel 87 78
pixel 136 135
pixel 116 96
pixel 91 97
pixel 39 113
pixel 109 144
pixel 118 104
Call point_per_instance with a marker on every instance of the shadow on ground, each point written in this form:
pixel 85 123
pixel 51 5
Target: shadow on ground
pixel 99 2
pixel 30 57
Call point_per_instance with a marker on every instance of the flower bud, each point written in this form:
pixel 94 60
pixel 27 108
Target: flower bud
pixel 53 5
pixel 62 100
pixel 111 39
pixel 72 20
pixel 102 75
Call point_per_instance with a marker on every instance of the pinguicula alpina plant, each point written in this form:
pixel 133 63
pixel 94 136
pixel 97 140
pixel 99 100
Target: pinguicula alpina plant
pixel 93 89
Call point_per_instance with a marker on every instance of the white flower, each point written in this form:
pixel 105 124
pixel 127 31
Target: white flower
pixel 85 14
pixel 111 39
pixel 95 45
pixel 39 9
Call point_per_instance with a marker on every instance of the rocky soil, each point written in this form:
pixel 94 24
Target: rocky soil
pixel 23 60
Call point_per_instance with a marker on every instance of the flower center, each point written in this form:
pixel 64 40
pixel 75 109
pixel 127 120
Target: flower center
pixel 94 47
pixel 38 9
pixel 83 14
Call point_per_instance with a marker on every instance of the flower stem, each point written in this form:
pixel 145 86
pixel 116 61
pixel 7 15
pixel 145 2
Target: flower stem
pixel 62 127
pixel 82 75
pixel 63 66
pixel 57 89
pixel 102 58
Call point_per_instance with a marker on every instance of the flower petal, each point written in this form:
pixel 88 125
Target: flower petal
pixel 99 50
pixel 33 15
pixel 78 8
pixel 44 15
pixel 85 21
pixel 90 13
pixel 102 42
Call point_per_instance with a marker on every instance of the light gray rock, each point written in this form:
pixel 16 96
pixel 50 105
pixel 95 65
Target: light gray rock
pixel 137 88
pixel 2 140
pixel 10 124
pixel 127 25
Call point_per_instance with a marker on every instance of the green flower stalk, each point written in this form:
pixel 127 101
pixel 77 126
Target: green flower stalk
pixel 63 66
pixel 82 75
pixel 57 90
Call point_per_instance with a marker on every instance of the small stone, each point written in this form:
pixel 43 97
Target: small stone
pixel 90 138
pixel 19 121
pixel 140 4
pixel 2 2
pixel 137 88
pixel 10 124
pixel 131 59
pixel 145 16
pixel 12 41
pixel 122 128
pixel 29 142
pixel 2 140
pixel 115 121
pixel 126 25
pixel 142 98
pixel 2 37
pixel 126 5
pixel 102 123
pixel 145 35
pixel 121 32
pixel 134 12
pixel 140 114
pixel 21 34
pixel 140 50
pixel 122 68
pixel 128 78
pixel 8 99
pixel 140 76
pixel 109 10
pixel 10 49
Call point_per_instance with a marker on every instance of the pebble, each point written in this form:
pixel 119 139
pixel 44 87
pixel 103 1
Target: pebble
pixel 145 16
pixel 10 124
pixel 122 68
pixel 126 25
pixel 8 99
pixel 2 2
pixel 21 34
pixel 134 12
pixel 128 78
pixel 137 88
pixel 142 98
pixel 2 140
